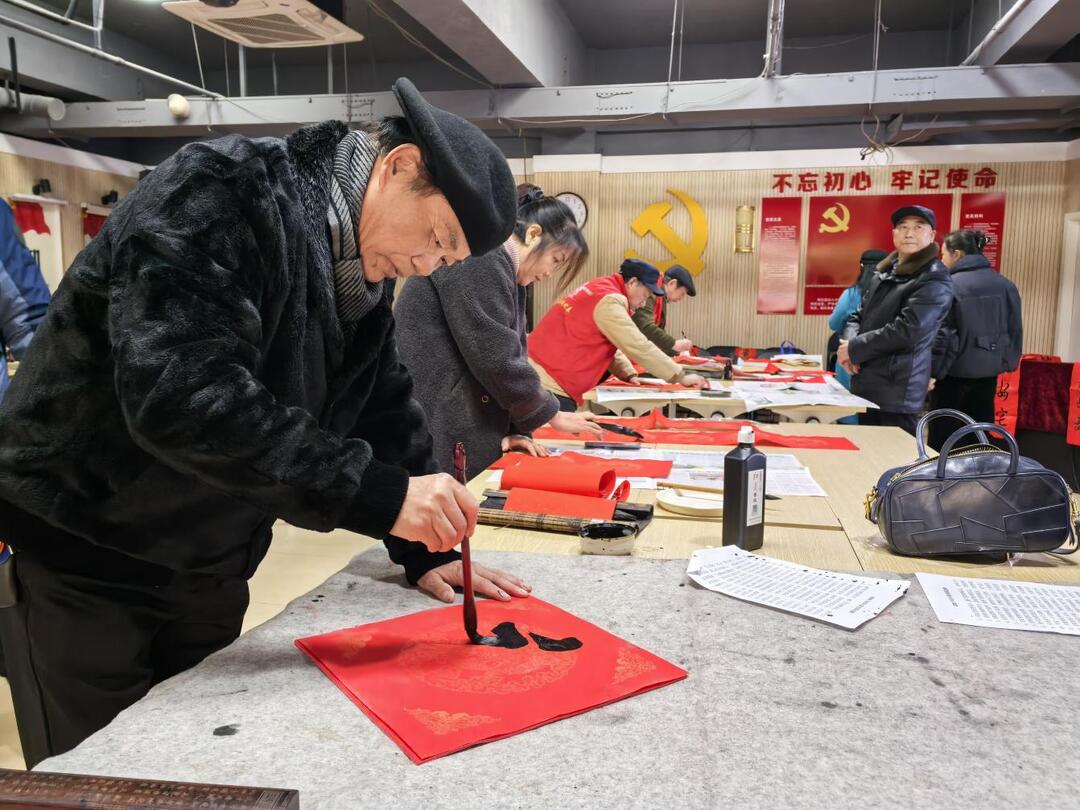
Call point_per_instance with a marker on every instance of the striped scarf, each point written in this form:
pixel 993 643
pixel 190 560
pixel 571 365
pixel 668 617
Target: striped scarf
pixel 355 296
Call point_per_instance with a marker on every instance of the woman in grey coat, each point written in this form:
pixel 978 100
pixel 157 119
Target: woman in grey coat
pixel 462 337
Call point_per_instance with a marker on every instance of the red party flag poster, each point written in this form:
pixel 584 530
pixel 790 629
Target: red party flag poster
pixel 433 693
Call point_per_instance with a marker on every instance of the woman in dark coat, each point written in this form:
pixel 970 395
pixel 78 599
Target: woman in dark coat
pixel 980 338
pixel 462 337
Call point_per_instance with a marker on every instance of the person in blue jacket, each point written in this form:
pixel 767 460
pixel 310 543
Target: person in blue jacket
pixel 24 296
pixel 849 302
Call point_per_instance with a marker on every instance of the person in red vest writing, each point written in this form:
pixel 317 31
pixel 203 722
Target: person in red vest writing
pixel 651 319
pixel 591 332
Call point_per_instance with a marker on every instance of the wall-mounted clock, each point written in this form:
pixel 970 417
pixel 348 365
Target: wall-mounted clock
pixel 577 206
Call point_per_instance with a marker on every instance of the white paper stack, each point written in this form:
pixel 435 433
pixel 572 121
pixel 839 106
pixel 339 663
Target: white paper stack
pixel 844 600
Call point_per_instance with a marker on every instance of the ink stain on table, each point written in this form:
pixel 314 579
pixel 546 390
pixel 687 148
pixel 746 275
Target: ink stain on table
pixel 828 704
pixel 226 731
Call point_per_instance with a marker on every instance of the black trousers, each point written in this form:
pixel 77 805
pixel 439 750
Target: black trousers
pixel 80 649
pixel 906 421
pixel 974 397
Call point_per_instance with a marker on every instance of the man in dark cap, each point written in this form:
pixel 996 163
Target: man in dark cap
pixel 590 333
pixel 651 319
pixel 219 357
pixel 886 344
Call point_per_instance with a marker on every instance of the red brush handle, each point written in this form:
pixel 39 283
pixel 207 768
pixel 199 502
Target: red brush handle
pixel 466 558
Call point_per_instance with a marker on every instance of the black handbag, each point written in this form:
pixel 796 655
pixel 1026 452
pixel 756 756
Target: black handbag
pixel 975 500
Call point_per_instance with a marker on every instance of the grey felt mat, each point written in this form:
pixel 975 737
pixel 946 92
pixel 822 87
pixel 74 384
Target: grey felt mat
pixel 778 711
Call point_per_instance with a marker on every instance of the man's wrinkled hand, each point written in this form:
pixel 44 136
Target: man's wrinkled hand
pixel 843 357
pixel 576 423
pixel 437 511
pixel 491 582
pixel 694 381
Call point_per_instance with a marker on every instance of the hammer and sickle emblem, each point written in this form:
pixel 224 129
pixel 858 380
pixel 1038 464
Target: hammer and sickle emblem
pixel 689 253
pixel 840 220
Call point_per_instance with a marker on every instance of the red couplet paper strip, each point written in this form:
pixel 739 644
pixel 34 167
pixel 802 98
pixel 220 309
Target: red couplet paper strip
pixel 659 429
pixel 560 475
pixel 649 386
pixel 537 501
pixel 433 693
pixel 623 468
pixel 1072 430
pixel 626 467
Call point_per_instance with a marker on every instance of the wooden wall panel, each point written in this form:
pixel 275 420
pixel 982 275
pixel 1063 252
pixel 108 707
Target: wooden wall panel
pixel 1072 186
pixel 723 313
pixel 18 175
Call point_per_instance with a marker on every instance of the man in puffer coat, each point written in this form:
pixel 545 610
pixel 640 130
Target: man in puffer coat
pixel 887 342
pixel 221 356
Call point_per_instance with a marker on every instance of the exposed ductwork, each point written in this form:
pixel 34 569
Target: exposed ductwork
pixel 949 91
pixel 30 104
pixel 995 31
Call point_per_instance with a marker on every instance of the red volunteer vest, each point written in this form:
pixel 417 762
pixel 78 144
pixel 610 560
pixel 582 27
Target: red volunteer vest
pixel 567 342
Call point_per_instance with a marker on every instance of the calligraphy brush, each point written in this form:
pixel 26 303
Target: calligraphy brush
pixel 466 562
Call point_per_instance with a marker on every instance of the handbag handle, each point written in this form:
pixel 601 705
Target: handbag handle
pixel 978 427
pixel 920 429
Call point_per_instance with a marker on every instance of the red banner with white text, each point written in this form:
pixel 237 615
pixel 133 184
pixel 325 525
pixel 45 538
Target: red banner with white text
pixel 778 256
pixel 986 213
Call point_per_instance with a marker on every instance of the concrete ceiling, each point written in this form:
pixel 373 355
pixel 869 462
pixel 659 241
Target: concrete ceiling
pixel 145 21
pixel 587 61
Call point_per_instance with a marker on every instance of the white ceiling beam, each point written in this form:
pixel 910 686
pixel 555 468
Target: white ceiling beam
pixel 946 91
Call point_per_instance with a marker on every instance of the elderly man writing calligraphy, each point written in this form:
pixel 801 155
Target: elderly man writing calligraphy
pixel 222 355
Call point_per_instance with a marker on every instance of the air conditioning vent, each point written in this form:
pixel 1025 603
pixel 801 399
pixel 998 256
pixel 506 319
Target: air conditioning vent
pixel 267 23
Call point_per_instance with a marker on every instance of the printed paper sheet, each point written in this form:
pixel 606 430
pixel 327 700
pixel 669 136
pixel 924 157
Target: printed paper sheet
pixel 844 600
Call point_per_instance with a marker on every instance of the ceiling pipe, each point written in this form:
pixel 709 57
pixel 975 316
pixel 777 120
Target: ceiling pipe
pixel 996 30
pixel 30 104
pixel 775 43
pixel 52 15
pixel 108 57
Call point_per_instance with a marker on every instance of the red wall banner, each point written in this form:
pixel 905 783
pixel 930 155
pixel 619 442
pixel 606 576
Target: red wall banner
pixel 985 212
pixel 842 227
pixel 29 216
pixel 778 256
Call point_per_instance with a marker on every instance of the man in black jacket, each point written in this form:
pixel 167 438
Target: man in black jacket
pixel 221 356
pixel 886 344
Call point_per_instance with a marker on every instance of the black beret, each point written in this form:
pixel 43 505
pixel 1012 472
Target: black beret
pixel 920 211
pixel 681 275
pixel 467 168
pixel 643 272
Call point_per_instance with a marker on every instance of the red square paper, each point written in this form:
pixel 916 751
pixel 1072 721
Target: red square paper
pixel 420 680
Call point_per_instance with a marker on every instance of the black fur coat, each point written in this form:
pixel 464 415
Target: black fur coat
pixel 190 383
